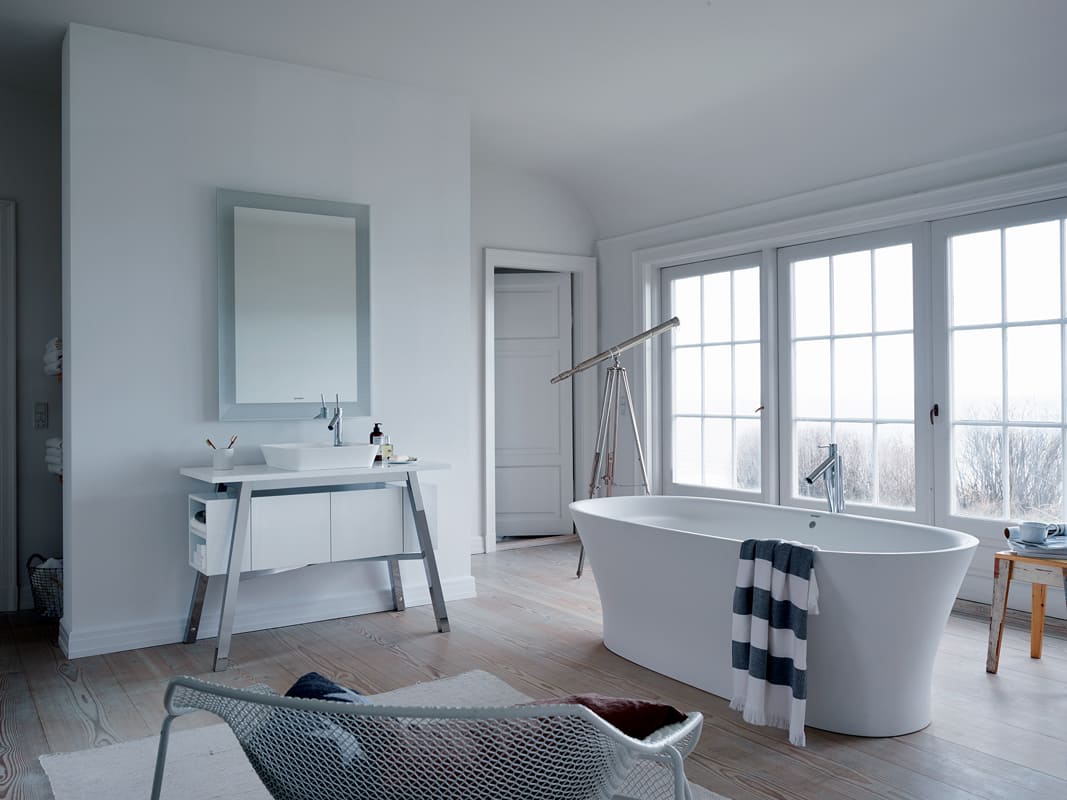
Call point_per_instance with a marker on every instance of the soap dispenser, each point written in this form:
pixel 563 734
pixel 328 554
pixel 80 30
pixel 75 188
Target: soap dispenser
pixel 376 437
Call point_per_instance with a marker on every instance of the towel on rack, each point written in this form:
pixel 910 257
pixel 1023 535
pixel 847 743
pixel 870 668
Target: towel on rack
pixel 55 469
pixel 55 441
pixel 775 592
pixel 53 458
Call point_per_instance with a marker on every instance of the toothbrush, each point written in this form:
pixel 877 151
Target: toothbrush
pixel 211 444
pixel 232 440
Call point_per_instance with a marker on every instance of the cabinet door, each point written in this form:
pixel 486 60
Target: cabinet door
pixel 367 522
pixel 290 530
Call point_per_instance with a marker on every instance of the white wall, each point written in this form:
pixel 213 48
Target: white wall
pixel 29 175
pixel 516 210
pixel 152 128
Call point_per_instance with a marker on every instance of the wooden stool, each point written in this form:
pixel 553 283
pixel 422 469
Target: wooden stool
pixel 1041 573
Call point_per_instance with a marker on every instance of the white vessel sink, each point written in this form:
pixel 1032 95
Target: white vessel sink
pixel 307 455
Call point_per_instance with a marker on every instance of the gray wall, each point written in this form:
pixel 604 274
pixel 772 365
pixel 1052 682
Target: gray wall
pixel 30 175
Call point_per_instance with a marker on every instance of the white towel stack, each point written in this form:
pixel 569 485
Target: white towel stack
pixel 53 357
pixel 53 455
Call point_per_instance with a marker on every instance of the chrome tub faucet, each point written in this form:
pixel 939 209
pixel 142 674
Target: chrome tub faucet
pixel 830 472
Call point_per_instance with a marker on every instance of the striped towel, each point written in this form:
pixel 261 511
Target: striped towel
pixel 776 590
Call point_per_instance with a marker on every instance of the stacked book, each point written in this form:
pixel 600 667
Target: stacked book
pixel 1049 543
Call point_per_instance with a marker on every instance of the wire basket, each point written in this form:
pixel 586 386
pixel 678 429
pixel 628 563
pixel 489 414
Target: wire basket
pixel 46 583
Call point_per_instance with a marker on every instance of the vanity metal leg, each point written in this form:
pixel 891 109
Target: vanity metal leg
pixel 233 577
pixel 196 608
pixel 429 561
pixel 396 584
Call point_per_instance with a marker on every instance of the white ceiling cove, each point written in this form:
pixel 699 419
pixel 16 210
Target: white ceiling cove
pixel 650 111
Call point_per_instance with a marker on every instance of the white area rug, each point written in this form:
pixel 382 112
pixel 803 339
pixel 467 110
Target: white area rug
pixel 208 763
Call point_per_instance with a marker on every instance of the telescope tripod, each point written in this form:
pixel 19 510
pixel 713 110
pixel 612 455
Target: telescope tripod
pixel 616 387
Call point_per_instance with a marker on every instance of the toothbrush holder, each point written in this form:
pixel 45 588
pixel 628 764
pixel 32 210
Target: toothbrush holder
pixel 222 459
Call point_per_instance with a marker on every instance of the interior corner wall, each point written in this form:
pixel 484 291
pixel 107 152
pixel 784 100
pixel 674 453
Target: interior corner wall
pixel 516 210
pixel 30 175
pixel 151 129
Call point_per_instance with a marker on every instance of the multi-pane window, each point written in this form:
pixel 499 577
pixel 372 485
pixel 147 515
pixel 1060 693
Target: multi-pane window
pixel 714 373
pixel 851 341
pixel 1006 327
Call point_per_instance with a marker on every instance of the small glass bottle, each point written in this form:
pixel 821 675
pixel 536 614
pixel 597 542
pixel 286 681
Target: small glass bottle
pixel 386 450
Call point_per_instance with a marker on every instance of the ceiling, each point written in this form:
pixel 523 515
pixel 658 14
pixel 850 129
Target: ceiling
pixel 650 111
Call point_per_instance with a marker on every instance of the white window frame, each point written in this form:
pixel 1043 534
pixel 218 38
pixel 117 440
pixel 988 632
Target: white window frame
pixel 768 484
pixel 918 237
pixel 990 531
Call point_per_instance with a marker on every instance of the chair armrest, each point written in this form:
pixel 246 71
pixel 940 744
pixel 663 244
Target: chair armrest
pixel 185 695
pixel 682 735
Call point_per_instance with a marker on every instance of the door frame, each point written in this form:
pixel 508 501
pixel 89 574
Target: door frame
pixel 8 480
pixel 583 341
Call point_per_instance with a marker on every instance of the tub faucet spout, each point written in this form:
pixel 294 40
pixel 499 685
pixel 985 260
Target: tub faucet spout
pixel 830 472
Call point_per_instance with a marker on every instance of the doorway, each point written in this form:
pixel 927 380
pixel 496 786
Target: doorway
pixel 534 418
pixel 8 524
pixel 529 466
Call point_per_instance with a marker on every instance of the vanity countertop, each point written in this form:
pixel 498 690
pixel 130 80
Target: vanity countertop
pixel 261 473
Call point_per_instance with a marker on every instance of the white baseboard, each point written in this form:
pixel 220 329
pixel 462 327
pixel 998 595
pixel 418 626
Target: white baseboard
pixel 95 640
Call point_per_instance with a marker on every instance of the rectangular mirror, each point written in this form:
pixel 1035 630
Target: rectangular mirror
pixel 294 305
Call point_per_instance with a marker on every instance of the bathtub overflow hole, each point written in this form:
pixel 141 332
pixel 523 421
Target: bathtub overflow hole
pixel 811 524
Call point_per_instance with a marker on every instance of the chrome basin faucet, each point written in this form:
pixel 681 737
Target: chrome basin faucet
pixel 335 423
pixel 830 472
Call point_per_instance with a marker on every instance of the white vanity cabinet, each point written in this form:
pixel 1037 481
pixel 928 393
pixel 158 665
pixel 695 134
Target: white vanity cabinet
pixel 367 522
pixel 293 518
pixel 290 530
pixel 209 540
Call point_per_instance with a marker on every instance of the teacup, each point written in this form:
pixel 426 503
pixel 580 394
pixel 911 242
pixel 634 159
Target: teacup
pixel 1033 532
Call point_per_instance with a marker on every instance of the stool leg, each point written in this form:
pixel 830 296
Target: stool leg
pixel 1038 592
pixel 1001 581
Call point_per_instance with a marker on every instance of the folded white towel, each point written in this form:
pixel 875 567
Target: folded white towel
pixel 55 441
pixel 52 359
pixel 55 343
pixel 53 451
pixel 53 459
pixel 55 469
pixel 54 369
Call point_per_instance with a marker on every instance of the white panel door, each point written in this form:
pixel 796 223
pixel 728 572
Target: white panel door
pixel 534 447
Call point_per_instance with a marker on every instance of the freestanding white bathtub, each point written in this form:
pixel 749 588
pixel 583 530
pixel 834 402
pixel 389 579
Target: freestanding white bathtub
pixel 666 566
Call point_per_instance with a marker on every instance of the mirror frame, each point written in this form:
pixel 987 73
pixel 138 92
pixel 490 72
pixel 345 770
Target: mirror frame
pixel 229 408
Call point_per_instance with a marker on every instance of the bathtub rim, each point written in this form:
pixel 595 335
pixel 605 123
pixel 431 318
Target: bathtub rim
pixel 967 541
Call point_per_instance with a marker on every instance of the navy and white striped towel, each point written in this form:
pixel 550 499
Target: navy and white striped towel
pixel 776 590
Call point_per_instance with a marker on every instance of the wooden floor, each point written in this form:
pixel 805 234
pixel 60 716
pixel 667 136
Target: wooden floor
pixel 537 627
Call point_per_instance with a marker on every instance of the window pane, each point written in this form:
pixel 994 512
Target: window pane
pixel 747 379
pixel 685 304
pixel 853 381
pixel 747 453
pixel 892 293
pixel 746 304
pixel 687 451
pixel 811 366
pixel 1034 366
pixel 718 452
pixel 685 373
pixel 717 307
pixel 977 374
pixel 856 444
pixel 896 465
pixel 974 270
pixel 1032 271
pixel 717 384
pixel 1035 474
pixel 852 292
pixel 977 455
pixel 896 376
pixel 809 436
pixel 811 297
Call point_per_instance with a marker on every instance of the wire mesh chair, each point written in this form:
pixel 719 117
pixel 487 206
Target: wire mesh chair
pixel 311 749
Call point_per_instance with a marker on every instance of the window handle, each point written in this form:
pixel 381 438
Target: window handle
pixel 934 412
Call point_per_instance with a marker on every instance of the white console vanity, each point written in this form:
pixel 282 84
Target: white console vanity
pixel 274 519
